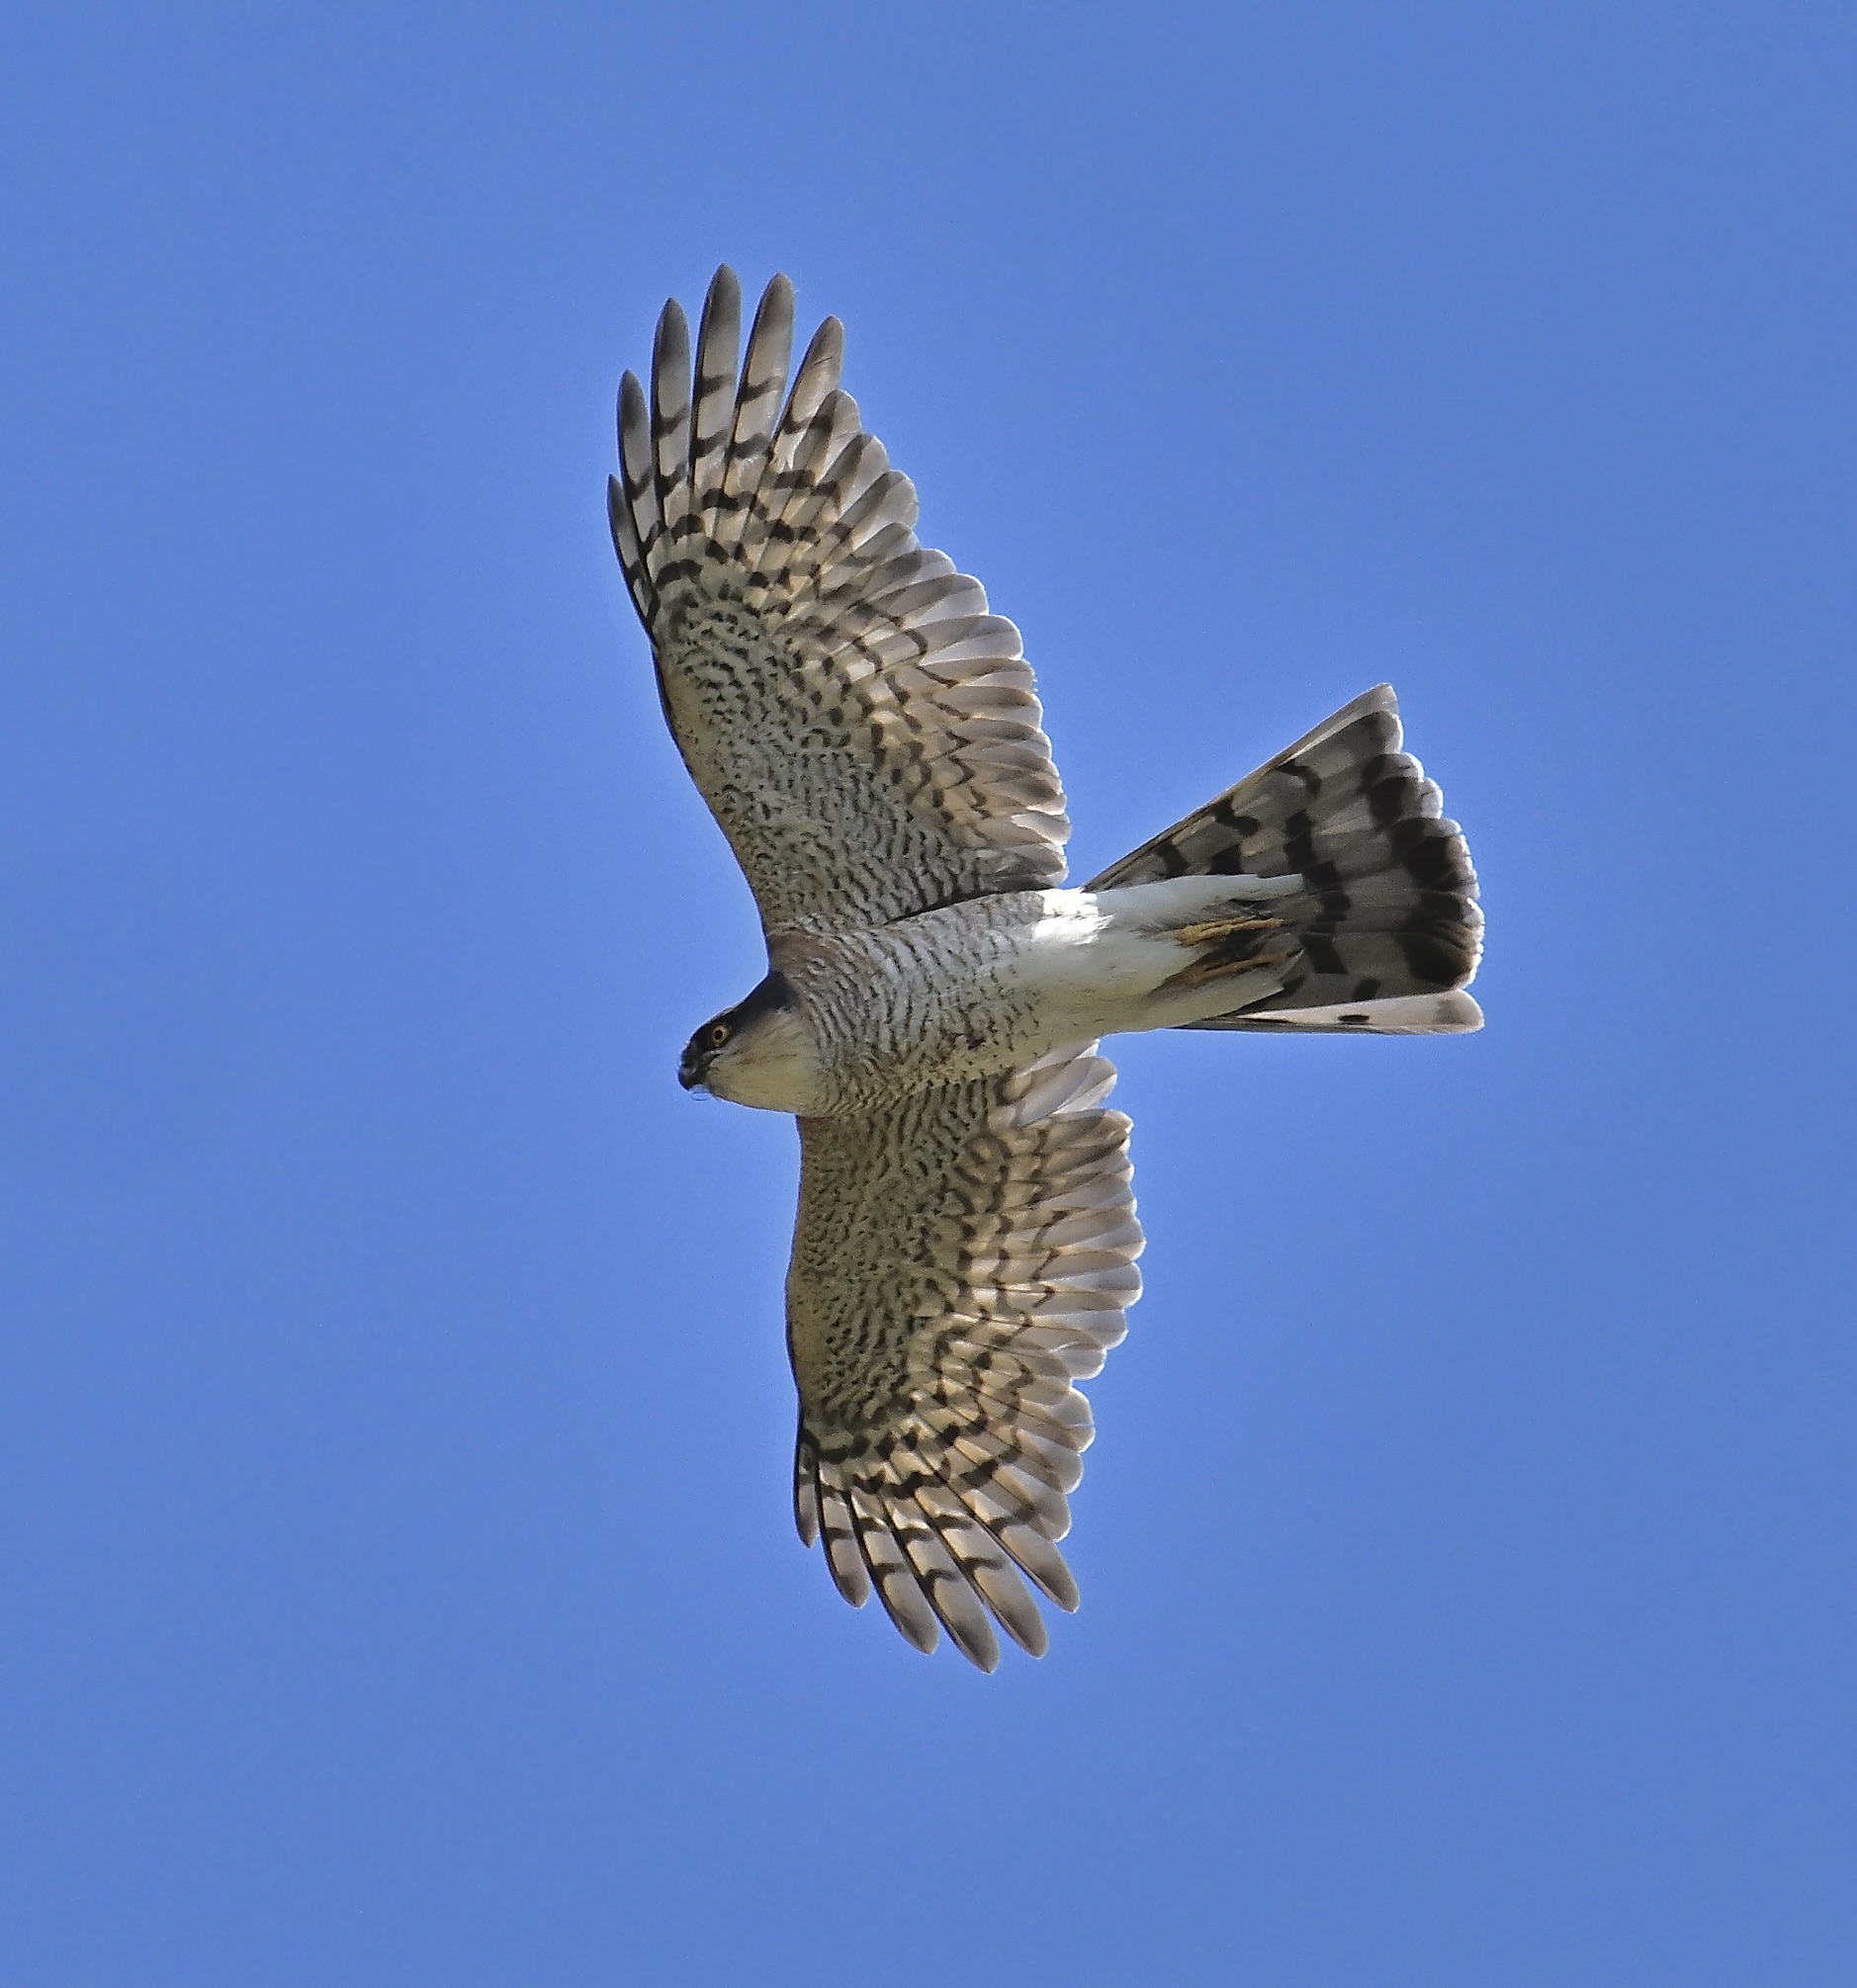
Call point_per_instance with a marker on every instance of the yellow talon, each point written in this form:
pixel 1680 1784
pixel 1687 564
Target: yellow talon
pixel 1204 933
pixel 1203 971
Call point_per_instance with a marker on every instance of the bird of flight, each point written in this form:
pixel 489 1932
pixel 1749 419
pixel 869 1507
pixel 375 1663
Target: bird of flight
pixel 867 736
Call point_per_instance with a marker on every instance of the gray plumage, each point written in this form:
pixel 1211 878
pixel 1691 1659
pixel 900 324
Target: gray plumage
pixel 869 737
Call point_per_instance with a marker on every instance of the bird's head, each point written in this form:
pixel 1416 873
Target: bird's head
pixel 759 1052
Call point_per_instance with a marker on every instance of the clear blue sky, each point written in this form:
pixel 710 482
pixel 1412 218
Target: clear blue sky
pixel 398 1579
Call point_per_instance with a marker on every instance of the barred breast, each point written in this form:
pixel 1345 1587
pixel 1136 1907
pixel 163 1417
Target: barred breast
pixel 936 999
pixel 978 989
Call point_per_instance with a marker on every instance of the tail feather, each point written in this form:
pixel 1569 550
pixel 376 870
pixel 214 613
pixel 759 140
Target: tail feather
pixel 1454 1013
pixel 1386 921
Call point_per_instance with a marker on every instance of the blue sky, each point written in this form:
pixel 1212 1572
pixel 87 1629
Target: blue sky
pixel 397 1582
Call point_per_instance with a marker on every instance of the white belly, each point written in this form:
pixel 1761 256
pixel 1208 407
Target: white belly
pixel 1099 963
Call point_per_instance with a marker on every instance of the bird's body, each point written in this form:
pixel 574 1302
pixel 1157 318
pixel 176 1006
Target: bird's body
pixel 867 736
pixel 978 989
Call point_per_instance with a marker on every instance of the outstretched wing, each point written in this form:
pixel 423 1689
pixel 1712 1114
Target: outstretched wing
pixel 865 730
pixel 958 1261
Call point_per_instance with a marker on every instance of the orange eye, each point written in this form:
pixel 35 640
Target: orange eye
pixel 718 1034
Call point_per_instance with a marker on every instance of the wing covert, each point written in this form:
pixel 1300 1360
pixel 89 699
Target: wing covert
pixel 959 1261
pixel 865 730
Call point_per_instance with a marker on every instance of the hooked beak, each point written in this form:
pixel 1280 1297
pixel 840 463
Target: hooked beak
pixel 690 1074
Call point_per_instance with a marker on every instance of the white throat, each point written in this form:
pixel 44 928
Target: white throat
pixel 772 1065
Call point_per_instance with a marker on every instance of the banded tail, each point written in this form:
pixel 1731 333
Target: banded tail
pixel 1386 927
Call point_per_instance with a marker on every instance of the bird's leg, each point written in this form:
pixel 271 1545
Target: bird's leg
pixel 1225 946
pixel 1209 929
pixel 1218 966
